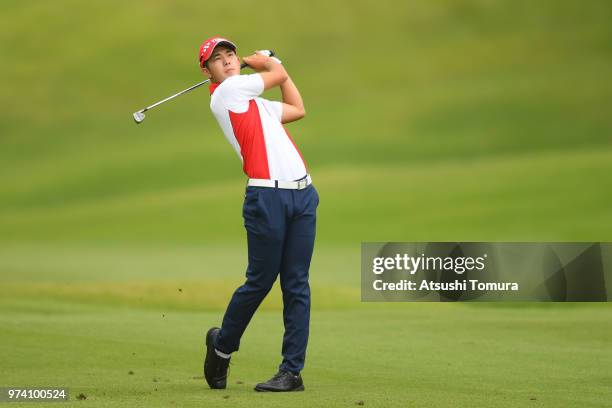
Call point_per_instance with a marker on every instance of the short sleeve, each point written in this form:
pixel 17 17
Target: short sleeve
pixel 242 88
pixel 275 108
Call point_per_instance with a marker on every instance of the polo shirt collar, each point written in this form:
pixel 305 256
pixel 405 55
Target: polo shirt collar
pixel 213 86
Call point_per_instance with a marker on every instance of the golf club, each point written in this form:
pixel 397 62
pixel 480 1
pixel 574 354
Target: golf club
pixel 139 116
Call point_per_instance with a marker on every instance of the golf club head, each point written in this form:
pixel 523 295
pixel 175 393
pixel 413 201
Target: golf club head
pixel 139 117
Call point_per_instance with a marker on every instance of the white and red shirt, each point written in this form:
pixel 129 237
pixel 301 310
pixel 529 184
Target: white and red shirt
pixel 253 127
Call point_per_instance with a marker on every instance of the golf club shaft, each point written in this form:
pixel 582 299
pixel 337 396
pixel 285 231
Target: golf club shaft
pixel 140 116
pixel 175 95
pixel 243 65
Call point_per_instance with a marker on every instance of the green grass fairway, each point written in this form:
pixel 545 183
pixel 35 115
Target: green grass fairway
pixel 415 355
pixel 84 317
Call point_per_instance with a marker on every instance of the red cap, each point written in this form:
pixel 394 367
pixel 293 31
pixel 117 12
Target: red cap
pixel 208 46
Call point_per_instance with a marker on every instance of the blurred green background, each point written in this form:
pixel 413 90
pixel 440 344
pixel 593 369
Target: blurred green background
pixel 426 121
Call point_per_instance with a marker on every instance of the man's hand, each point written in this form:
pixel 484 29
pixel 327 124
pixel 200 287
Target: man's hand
pixel 259 61
pixel 272 72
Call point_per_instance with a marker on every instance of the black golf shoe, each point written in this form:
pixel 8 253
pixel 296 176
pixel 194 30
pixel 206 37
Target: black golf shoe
pixel 215 367
pixel 282 381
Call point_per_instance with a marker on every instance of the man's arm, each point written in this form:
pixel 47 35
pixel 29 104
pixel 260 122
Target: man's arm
pixel 293 106
pixel 274 74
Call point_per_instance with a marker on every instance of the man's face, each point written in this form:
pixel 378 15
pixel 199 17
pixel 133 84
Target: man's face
pixel 223 63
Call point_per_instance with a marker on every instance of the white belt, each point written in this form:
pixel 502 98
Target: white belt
pixel 291 185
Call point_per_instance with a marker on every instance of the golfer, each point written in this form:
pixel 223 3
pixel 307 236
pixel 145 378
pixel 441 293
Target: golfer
pixel 279 208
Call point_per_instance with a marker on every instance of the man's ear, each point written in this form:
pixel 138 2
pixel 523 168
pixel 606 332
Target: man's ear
pixel 206 72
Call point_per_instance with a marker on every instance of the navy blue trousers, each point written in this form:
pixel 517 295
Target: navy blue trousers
pixel 280 227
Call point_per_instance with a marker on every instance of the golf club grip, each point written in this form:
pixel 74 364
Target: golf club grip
pixel 244 64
